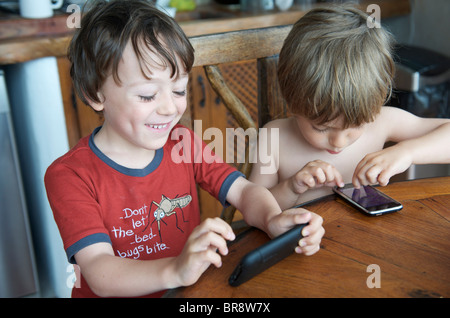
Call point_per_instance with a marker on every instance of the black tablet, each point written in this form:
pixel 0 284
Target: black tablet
pixel 266 256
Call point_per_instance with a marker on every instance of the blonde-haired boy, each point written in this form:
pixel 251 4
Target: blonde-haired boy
pixel 336 73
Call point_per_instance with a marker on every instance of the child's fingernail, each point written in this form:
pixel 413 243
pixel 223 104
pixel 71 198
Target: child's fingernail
pixel 302 243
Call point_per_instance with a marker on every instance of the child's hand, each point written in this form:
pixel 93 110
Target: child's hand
pixel 379 167
pixel 201 248
pixel 312 233
pixel 316 174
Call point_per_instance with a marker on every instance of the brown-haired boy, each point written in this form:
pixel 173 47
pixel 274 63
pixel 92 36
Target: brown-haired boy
pixel 127 212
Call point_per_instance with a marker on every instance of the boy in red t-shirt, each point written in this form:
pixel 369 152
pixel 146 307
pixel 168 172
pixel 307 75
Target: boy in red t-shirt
pixel 128 211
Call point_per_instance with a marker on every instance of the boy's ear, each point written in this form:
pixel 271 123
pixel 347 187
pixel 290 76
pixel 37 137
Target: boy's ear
pixel 97 106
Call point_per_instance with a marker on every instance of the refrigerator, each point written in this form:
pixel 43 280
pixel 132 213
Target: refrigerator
pixel 18 275
pixel 37 114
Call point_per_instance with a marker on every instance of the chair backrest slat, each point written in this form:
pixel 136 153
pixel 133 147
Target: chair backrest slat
pixel 236 46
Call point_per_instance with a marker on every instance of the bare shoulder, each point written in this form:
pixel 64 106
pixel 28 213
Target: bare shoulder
pixel 286 126
pixel 283 123
pixel 394 113
pixel 401 124
pixel 392 118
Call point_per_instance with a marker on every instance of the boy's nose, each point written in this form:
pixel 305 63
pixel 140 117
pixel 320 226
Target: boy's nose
pixel 338 140
pixel 167 106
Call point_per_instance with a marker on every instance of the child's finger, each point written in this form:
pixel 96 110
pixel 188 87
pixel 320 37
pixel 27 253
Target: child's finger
pixel 359 171
pixel 215 225
pixel 372 174
pixel 384 177
pixel 307 250
pixel 314 238
pixel 208 257
pixel 211 235
pixel 320 175
pixel 328 174
pixel 295 216
pixel 338 179
pixel 314 225
pixel 214 242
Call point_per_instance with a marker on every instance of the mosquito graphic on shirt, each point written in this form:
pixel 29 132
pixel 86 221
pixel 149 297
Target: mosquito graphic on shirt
pixel 167 207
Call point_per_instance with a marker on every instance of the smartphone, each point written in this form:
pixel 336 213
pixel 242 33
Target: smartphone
pixel 368 199
pixel 265 256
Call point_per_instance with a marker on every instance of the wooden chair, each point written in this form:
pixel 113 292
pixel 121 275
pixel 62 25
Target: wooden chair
pixel 262 45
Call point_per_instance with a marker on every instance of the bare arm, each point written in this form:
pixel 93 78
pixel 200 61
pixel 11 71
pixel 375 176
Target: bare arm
pixel 260 209
pixel 419 141
pixel 288 191
pixel 265 169
pixel 109 275
pixel 255 202
pixel 282 191
pixel 432 147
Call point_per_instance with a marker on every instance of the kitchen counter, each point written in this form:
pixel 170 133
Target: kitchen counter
pixel 26 39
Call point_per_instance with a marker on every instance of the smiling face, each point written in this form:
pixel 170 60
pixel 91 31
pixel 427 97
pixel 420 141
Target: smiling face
pixel 330 137
pixel 140 111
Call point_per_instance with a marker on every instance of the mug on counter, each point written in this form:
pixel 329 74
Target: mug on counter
pixel 38 9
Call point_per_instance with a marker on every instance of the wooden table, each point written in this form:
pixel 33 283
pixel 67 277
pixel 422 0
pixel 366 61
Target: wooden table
pixel 411 249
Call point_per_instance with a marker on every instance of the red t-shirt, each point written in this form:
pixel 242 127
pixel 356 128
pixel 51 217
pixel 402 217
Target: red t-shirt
pixel 145 213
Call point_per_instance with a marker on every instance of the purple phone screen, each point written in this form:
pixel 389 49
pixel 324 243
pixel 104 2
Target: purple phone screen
pixel 366 196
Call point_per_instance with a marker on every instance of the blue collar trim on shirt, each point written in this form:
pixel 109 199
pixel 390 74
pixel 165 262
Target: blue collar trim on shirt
pixel 159 154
